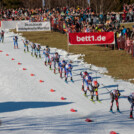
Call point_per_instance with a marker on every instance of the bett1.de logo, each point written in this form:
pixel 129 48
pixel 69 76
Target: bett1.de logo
pixel 90 38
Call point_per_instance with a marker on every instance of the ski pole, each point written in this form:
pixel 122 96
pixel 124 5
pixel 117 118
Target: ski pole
pixel 106 88
pixel 96 75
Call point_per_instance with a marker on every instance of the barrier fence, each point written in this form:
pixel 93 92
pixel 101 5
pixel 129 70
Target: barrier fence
pixel 60 26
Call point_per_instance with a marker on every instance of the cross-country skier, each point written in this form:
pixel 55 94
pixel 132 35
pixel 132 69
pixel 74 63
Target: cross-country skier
pixel 15 39
pixel 114 96
pixel 33 49
pixel 46 53
pixel 62 65
pixel 95 86
pixel 2 36
pixel 83 75
pixel 131 100
pixel 38 48
pixel 68 70
pixel 88 81
pixel 55 60
pixel 26 43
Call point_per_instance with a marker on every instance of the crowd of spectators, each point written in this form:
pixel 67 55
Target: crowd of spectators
pixel 69 14
pixel 78 20
pixel 34 15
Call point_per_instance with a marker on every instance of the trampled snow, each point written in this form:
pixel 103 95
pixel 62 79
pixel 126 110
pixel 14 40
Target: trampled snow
pixel 28 107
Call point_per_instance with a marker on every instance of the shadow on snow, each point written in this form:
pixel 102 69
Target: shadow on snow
pixel 16 106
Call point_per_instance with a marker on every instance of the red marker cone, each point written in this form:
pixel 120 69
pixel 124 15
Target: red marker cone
pixel 1 51
pixel 88 120
pixel 32 74
pixel 19 63
pixel 7 54
pixel 41 81
pixel 12 59
pixel 52 90
pixel 24 69
pixel 112 132
pixel 62 98
pixel 72 110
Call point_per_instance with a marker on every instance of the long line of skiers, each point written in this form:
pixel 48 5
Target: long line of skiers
pixel 62 67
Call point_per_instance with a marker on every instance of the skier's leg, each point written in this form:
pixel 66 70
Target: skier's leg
pixel 131 110
pixel 71 75
pixel 2 39
pixel 17 44
pixel 111 107
pixel 35 52
pixel 85 90
pixel 14 44
pixel 83 84
pixel 64 72
pixel 39 54
pixel 27 49
pixel 66 76
pixel 24 48
pixel 45 59
pixel 61 69
pixel 117 103
pixel 32 51
pixel 50 63
pixel 54 66
pixel 97 98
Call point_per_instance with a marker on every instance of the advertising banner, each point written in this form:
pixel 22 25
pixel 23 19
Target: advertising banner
pixel 10 24
pixel 91 38
pixel 33 26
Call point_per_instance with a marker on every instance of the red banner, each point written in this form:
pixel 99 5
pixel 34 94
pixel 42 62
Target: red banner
pixel 91 38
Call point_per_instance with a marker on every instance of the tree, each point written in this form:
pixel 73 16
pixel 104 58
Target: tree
pixel 109 5
pixel 11 3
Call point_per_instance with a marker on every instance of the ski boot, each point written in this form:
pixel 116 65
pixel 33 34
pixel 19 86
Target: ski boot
pixel 54 71
pixel 72 79
pixel 66 80
pixel 60 75
pixel 27 49
pixel 50 67
pixel 97 98
pixel 82 87
pixel 85 94
pixel 111 110
pixel 131 115
pixel 59 70
pixel 118 110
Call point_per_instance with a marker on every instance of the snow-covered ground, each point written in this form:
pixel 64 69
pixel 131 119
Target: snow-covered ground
pixel 28 107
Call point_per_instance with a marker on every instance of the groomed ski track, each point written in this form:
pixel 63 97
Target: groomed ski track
pixel 28 107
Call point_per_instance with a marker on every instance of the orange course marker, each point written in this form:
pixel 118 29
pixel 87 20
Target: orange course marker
pixel 72 110
pixel 19 63
pixel 88 120
pixel 32 74
pixel 12 59
pixel 41 81
pixel 62 98
pixel 52 90
pixel 112 132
